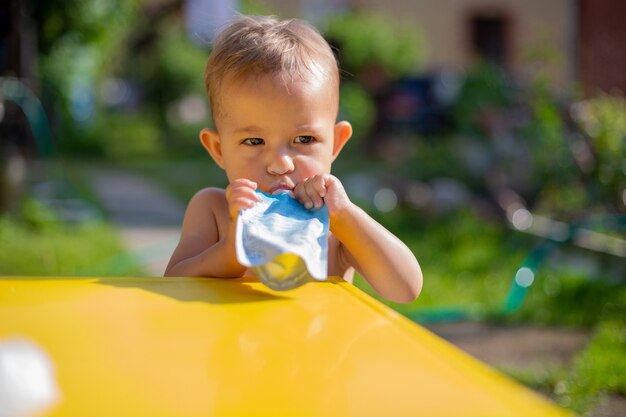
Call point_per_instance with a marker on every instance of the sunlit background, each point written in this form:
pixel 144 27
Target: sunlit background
pixel 489 135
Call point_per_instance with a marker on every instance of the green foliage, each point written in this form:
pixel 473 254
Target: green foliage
pixel 39 217
pixel 461 258
pixel 603 119
pixel 78 43
pixel 88 42
pixel 563 201
pixel 40 245
pixel 125 135
pixel 183 140
pixel 535 128
pixel 368 39
pixel 167 73
pixel 254 7
pixel 77 40
pixel 92 20
pixel 595 372
pixel 570 298
pixel 486 87
pixel 437 158
pixel 555 187
pixel 598 370
pixel 358 108
pixel 561 187
pixel 172 69
pixel 463 264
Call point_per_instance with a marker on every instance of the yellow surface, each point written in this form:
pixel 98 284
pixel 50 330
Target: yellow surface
pixel 208 347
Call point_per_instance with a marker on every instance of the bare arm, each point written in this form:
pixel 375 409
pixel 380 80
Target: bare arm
pixel 201 250
pixel 386 263
pixel 381 258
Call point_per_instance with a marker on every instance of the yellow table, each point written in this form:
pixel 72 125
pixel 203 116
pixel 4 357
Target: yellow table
pixel 209 347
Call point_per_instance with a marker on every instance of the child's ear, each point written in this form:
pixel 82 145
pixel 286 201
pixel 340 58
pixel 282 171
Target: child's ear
pixel 210 139
pixel 343 132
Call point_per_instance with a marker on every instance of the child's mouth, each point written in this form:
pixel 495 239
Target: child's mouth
pixel 281 188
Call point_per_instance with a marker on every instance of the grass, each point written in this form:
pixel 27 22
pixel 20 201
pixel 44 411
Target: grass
pixel 467 262
pixel 595 372
pixel 598 370
pixel 38 244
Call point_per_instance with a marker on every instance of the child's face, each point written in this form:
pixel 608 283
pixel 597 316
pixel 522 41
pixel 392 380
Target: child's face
pixel 274 134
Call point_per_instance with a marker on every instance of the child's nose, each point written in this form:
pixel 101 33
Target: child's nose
pixel 281 163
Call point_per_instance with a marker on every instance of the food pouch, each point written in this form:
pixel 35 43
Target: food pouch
pixel 285 244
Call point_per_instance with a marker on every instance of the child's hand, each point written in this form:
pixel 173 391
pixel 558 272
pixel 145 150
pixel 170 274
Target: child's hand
pixel 320 189
pixel 240 194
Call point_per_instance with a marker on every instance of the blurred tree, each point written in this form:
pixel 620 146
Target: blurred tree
pixel 366 40
pixel 90 20
pixel 601 154
pixel 538 149
pixel 77 44
pixel 486 87
pixel 87 47
pixel 357 107
pixel 373 52
pixel 170 69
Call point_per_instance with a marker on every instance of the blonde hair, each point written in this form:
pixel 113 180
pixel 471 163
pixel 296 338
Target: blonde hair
pixel 263 45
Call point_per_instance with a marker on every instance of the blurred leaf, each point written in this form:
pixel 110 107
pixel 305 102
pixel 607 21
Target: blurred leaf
pixel 486 86
pixel 61 251
pixel 357 107
pixel 38 216
pixel 368 39
pixel 598 370
pixel 126 135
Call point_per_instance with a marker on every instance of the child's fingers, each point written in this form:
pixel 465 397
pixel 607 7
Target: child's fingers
pixel 242 183
pixel 311 192
pixel 240 194
pixel 241 203
pixel 238 203
pixel 336 198
pixel 301 195
pixel 330 181
pixel 241 186
pixel 319 184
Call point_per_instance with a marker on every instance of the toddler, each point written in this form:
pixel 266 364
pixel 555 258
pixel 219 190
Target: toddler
pixel 273 88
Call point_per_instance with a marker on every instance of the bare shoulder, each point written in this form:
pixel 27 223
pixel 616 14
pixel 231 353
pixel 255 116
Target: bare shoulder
pixel 209 196
pixel 206 212
pixel 206 220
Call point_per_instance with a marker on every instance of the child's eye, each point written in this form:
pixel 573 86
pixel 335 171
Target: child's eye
pixel 253 141
pixel 304 139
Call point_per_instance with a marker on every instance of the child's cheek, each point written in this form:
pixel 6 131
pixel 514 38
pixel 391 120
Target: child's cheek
pixel 310 165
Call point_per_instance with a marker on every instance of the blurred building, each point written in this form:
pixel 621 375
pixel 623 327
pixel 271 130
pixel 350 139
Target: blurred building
pixel 602 42
pixel 572 40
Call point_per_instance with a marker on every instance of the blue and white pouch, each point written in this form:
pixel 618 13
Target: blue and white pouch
pixel 285 244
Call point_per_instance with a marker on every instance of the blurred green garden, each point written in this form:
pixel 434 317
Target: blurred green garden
pixel 473 183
